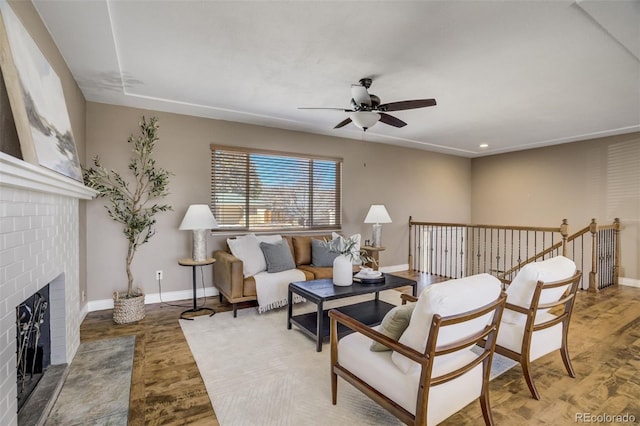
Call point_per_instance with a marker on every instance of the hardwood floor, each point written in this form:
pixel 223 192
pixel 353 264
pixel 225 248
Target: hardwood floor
pixel 166 387
pixel 604 343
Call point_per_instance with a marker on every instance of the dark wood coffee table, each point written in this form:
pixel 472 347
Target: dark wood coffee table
pixel 316 324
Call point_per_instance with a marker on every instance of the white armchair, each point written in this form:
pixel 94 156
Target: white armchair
pixel 528 330
pixel 430 372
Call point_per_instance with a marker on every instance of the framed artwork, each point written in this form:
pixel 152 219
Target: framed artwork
pixel 37 100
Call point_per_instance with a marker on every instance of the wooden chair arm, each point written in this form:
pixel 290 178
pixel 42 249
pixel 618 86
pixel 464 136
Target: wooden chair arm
pixel 375 335
pixel 516 308
pixel 408 298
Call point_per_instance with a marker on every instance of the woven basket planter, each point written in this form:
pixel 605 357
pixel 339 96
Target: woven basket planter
pixel 128 309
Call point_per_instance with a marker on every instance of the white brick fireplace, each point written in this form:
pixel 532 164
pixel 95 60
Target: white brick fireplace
pixel 39 245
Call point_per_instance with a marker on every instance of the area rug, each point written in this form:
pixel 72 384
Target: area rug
pixel 257 372
pixel 96 391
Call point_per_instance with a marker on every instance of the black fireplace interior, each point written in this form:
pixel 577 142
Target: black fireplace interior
pixel 33 334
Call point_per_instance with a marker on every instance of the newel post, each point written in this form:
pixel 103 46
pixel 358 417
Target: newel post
pixel 616 259
pixel 593 275
pixel 564 231
pixel 410 246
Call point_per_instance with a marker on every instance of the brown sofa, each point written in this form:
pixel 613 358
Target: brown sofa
pixel 229 279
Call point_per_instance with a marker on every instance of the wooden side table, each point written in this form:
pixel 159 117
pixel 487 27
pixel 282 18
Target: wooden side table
pixel 194 264
pixel 374 252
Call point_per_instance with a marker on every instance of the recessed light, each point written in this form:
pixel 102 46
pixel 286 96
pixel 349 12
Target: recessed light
pixel 484 145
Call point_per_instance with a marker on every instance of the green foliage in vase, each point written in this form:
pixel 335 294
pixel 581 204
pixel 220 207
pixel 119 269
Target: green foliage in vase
pixel 348 249
pixel 133 204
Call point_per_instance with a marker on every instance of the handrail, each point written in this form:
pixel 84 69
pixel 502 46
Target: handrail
pixel 509 227
pixel 554 247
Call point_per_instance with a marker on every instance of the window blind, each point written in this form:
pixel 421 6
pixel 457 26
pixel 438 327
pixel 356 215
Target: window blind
pixel 260 190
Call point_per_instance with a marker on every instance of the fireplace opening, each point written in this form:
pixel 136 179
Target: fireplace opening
pixel 33 334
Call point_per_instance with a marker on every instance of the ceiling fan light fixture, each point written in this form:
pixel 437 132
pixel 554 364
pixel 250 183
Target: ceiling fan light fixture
pixel 364 119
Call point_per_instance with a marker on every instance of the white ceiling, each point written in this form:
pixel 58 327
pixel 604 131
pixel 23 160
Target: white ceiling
pixel 511 74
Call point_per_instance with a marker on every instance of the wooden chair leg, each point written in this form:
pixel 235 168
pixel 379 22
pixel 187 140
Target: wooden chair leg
pixel 486 408
pixel 526 370
pixel 334 387
pixel 333 337
pixel 564 352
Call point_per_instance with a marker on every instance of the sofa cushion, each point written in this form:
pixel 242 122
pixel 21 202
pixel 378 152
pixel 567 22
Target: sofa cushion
pixel 302 248
pixel 247 249
pixel 394 323
pixel 308 275
pixel 321 254
pixel 520 291
pixel 448 298
pixel 278 256
pixel 249 283
pixel 318 273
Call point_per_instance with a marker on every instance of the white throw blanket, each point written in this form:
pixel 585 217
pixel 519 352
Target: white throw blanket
pixel 271 288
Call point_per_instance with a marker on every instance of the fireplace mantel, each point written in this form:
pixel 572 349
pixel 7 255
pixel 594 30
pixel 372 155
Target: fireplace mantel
pixel 20 174
pixel 40 244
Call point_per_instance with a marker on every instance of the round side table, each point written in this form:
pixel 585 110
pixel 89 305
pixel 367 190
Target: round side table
pixel 194 264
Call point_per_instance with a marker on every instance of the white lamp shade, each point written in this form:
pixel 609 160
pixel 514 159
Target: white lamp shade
pixel 198 216
pixel 377 214
pixel 364 119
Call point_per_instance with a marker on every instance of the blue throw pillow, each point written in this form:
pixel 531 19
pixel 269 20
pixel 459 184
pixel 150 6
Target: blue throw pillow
pixel 278 256
pixel 321 256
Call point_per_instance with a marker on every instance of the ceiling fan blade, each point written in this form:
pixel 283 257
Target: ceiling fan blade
pixel 335 109
pixel 343 123
pixel 402 105
pixel 391 120
pixel 360 95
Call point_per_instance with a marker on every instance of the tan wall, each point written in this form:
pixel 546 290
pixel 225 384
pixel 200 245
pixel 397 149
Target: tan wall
pixel 598 178
pixel 426 185
pixel 73 97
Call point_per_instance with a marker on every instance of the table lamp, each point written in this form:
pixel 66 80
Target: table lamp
pixel 198 219
pixel 377 215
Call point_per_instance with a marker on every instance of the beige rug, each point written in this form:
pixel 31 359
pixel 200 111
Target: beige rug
pixel 259 373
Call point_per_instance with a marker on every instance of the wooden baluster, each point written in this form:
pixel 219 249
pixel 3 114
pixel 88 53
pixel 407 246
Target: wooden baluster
pixel 593 275
pixel 445 261
pixel 411 250
pixel 616 258
pixel 504 250
pixel 564 231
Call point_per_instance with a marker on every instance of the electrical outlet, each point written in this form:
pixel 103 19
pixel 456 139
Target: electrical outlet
pixel 158 275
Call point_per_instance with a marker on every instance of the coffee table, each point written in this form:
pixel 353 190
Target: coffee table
pixel 316 324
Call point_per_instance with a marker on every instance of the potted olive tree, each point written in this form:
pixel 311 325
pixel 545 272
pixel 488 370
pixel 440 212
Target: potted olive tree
pixel 134 204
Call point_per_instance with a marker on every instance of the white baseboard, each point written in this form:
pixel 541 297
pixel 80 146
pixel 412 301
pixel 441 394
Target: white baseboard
pixel 169 296
pixel 83 312
pixel 629 282
pixel 395 268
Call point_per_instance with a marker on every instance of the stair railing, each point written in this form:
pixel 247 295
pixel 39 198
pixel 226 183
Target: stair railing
pixel 605 255
pixel 455 250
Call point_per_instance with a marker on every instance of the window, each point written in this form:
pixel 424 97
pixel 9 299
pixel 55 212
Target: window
pixel 259 190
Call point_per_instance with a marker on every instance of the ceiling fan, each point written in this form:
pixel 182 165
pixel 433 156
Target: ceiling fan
pixel 366 109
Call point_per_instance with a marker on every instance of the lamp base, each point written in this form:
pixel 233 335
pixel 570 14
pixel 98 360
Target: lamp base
pixel 199 245
pixel 377 235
